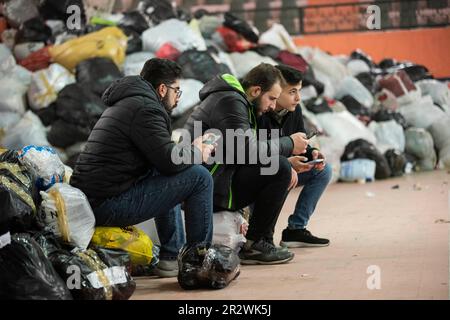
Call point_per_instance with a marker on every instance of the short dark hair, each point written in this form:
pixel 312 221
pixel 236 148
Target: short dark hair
pixel 158 71
pixel 263 75
pixel 291 75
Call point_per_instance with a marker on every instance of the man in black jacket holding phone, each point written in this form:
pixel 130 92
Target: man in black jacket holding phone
pixel 288 119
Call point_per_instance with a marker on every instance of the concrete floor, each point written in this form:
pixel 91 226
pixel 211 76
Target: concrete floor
pixel 400 234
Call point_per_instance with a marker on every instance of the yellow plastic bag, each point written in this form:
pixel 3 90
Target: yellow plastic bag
pixel 131 239
pixel 109 42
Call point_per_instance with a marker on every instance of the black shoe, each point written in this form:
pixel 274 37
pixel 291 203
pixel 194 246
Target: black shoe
pixel 264 252
pixel 298 238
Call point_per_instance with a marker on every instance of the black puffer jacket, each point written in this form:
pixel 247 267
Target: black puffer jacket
pixel 132 137
pixel 225 106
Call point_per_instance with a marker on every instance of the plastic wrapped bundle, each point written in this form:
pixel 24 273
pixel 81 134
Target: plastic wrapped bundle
pixel 27 274
pixel 439 92
pixel 422 113
pixel 65 211
pixel 357 169
pixel 389 135
pixel 351 86
pixel 228 229
pixel 200 267
pixel 419 143
pixel 440 131
pixel 44 164
pixel 46 84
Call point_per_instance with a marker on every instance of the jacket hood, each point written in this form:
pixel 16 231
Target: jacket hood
pixel 225 82
pixel 128 87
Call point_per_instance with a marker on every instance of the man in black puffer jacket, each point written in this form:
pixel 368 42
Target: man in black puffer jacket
pixel 126 169
pixel 229 105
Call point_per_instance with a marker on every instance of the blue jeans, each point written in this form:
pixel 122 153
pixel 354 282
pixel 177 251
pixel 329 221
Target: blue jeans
pixel 315 183
pixel 158 196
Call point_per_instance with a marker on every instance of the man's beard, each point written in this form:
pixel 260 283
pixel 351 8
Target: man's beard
pixel 167 106
pixel 257 105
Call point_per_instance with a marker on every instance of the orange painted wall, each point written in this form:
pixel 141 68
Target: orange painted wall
pixel 429 47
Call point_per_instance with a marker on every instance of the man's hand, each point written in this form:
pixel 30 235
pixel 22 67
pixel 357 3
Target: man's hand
pixel 294 180
pixel 317 155
pixel 205 149
pixel 300 143
pixel 298 164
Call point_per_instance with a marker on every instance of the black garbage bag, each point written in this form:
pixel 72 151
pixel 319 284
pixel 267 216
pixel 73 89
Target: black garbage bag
pixel 354 107
pixel 47 115
pixel 134 42
pixel 27 274
pixel 368 81
pixel 241 27
pixel 200 65
pixel 267 50
pixel 318 105
pixel 200 267
pixel 141 270
pixel 135 21
pixel 397 162
pixel 64 134
pixel 92 274
pixel 97 74
pixel 77 104
pixel 34 30
pixel 386 115
pixel 362 149
pixel 387 63
pixel 17 205
pixel 57 10
pixel 361 55
pixel 157 10
pixel 417 72
pixel 309 79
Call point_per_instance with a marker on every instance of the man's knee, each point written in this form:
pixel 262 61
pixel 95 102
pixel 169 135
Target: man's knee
pixel 285 169
pixel 202 175
pixel 327 173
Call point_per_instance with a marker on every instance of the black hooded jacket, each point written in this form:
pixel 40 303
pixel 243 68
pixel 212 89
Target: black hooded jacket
pixel 223 106
pixel 131 138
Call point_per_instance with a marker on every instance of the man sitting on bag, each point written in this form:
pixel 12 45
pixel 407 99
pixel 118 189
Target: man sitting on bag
pixel 229 105
pixel 288 119
pixel 126 169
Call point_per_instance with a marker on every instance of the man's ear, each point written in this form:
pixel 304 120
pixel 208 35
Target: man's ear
pixel 255 91
pixel 162 90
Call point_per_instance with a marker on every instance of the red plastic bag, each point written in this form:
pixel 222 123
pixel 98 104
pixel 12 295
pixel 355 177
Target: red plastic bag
pixel 168 51
pixel 38 60
pixel 293 60
pixel 234 41
pixel 3 25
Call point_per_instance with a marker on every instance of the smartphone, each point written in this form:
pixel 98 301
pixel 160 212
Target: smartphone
pixel 314 162
pixel 311 134
pixel 211 139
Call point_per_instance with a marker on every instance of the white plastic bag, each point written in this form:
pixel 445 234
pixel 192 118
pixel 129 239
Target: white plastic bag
pixel 8 119
pixel 244 62
pixel 227 229
pixel 44 164
pixel 332 152
pixel 190 98
pixel 358 169
pixel 351 86
pixel 419 143
pixel 278 36
pixel 46 84
pixel 135 62
pixel 389 135
pixel 421 113
pixel 9 68
pixel 357 66
pixel 438 91
pixel 12 93
pixel 29 130
pixel 65 210
pixel 177 32
pixel 440 131
pixel 329 65
pixel 344 127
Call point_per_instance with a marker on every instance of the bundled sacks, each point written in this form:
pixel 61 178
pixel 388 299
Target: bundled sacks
pixel 351 86
pixel 46 84
pixel 200 65
pixel 389 135
pixel 440 130
pixel 26 273
pixel 131 239
pixel 419 143
pixel 97 74
pixel 8 119
pixel 438 91
pixel 386 115
pixel 200 267
pixel 174 31
pixel 44 164
pixel 65 211
pixel 17 208
pixel 29 130
pixel 241 27
pixel 362 149
pixel 386 100
pixel 278 37
pixel 421 113
pixel 357 169
pixel 109 42
pixel 401 85
pixel 228 229
pixel 244 62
